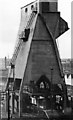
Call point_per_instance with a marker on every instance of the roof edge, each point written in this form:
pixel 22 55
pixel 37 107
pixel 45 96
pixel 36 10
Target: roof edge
pixel 28 4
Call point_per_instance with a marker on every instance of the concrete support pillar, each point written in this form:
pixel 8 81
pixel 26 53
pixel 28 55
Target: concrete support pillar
pixel 6 102
pixel 65 101
pixel 0 104
pixel 18 104
pixel 12 103
pixel 65 96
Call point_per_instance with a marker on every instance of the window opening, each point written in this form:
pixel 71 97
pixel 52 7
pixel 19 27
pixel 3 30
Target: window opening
pixel 26 9
pixel 32 7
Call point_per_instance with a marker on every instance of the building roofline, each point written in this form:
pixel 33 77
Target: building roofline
pixel 29 4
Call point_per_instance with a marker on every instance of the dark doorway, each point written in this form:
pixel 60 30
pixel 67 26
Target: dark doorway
pixel 51 97
pixel 43 82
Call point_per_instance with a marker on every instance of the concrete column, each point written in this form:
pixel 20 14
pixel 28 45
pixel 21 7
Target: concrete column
pixel 65 96
pixel 18 104
pixel 12 103
pixel 6 102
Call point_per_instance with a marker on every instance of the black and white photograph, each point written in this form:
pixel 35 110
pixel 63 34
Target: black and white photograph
pixel 36 60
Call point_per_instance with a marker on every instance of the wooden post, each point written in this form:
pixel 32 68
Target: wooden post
pixel 8 105
pixel 18 104
pixel 13 67
pixel 51 89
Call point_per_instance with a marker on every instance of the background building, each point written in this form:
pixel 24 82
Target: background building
pixel 68 73
pixel 4 69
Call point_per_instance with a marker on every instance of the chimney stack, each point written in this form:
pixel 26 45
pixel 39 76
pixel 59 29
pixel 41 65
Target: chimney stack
pixel 5 62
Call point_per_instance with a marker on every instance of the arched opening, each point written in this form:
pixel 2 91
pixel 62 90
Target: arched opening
pixel 50 96
pixel 26 9
pixel 32 6
pixel 43 82
pixel 42 95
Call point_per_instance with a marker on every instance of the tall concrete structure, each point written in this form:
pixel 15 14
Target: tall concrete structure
pixel 36 69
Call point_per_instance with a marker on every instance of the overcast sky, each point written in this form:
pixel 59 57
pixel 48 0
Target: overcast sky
pixel 10 14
